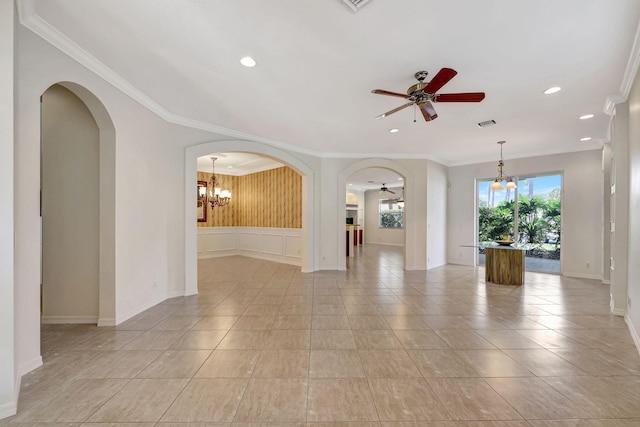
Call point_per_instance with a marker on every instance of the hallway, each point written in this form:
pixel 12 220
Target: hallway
pixel 264 343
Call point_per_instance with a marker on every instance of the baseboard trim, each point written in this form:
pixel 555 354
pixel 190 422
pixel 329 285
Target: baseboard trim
pixel 55 320
pixel 25 368
pixel 633 332
pixel 10 408
pixel 618 311
pixel 189 292
pixel 138 310
pixel 583 276
pixel 175 294
pixel 106 321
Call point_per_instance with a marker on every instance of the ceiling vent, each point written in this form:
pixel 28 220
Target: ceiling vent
pixel 354 5
pixel 486 123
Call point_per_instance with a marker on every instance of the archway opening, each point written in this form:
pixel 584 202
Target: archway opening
pixel 77 207
pixel 375 215
pixel 303 245
pixel 250 205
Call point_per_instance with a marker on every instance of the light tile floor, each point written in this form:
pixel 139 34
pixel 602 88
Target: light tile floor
pixel 263 344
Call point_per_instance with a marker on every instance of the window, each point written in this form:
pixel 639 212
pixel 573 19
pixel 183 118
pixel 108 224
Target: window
pixel 529 214
pixel 390 214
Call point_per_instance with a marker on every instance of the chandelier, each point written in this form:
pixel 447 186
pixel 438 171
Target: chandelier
pixel 213 193
pixel 501 177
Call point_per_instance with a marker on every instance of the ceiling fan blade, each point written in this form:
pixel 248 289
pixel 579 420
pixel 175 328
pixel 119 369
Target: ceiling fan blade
pixel 459 97
pixel 389 191
pixel 386 92
pixel 428 111
pixel 439 80
pixel 388 113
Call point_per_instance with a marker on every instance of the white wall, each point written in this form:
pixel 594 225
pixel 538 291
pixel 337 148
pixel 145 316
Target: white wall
pixel 70 209
pixel 148 205
pixel 8 394
pixel 375 234
pixel 619 197
pixel 581 207
pixel 606 213
pixel 436 215
pixel 633 255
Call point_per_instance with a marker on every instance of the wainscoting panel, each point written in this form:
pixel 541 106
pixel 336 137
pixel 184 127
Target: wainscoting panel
pixel 216 241
pixel 293 246
pixel 274 244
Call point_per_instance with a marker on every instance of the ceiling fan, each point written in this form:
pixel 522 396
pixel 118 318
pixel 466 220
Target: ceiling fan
pixel 384 188
pixel 424 93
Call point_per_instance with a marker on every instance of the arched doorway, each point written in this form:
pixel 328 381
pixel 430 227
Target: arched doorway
pixel 379 219
pixel 308 254
pixel 410 237
pixel 77 207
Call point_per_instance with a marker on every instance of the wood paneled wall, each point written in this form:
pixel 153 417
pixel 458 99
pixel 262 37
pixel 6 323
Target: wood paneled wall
pixel 271 198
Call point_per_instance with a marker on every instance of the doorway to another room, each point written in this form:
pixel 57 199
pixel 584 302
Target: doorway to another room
pixel 374 212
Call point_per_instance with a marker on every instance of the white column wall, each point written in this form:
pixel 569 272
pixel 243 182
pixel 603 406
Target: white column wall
pixel 436 215
pixel 8 394
pixel 581 207
pixel 633 285
pixel 620 200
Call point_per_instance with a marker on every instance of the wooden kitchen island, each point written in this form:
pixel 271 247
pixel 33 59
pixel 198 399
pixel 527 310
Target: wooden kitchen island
pixel 504 265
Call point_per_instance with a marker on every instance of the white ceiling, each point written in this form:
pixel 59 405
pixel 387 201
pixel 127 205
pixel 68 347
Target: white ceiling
pixel 317 63
pixel 237 164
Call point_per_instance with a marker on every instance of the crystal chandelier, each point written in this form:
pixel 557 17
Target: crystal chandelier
pixel 213 193
pixel 501 177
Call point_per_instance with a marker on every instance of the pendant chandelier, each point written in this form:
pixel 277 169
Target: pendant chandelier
pixel 214 194
pixel 501 177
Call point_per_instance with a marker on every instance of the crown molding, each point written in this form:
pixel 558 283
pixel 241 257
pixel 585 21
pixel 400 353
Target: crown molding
pixel 630 73
pixel 39 26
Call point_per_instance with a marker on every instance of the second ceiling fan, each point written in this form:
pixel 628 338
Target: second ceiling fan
pixel 424 93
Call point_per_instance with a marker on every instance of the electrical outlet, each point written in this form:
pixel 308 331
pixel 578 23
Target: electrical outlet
pixel 588 264
pixel 629 301
pixel 155 284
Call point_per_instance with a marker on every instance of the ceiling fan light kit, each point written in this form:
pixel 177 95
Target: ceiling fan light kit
pixel 422 94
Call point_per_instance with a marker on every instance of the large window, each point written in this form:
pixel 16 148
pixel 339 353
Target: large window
pixel 390 214
pixel 528 214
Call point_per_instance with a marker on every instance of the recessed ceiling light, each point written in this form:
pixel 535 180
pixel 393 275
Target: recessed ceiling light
pixel 350 184
pixel 230 167
pixel 588 138
pixel 394 130
pixel 586 116
pixel 553 89
pixel 400 179
pixel 248 61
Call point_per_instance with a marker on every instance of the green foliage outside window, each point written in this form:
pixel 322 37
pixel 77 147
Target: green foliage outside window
pixel 538 221
pixel 391 216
